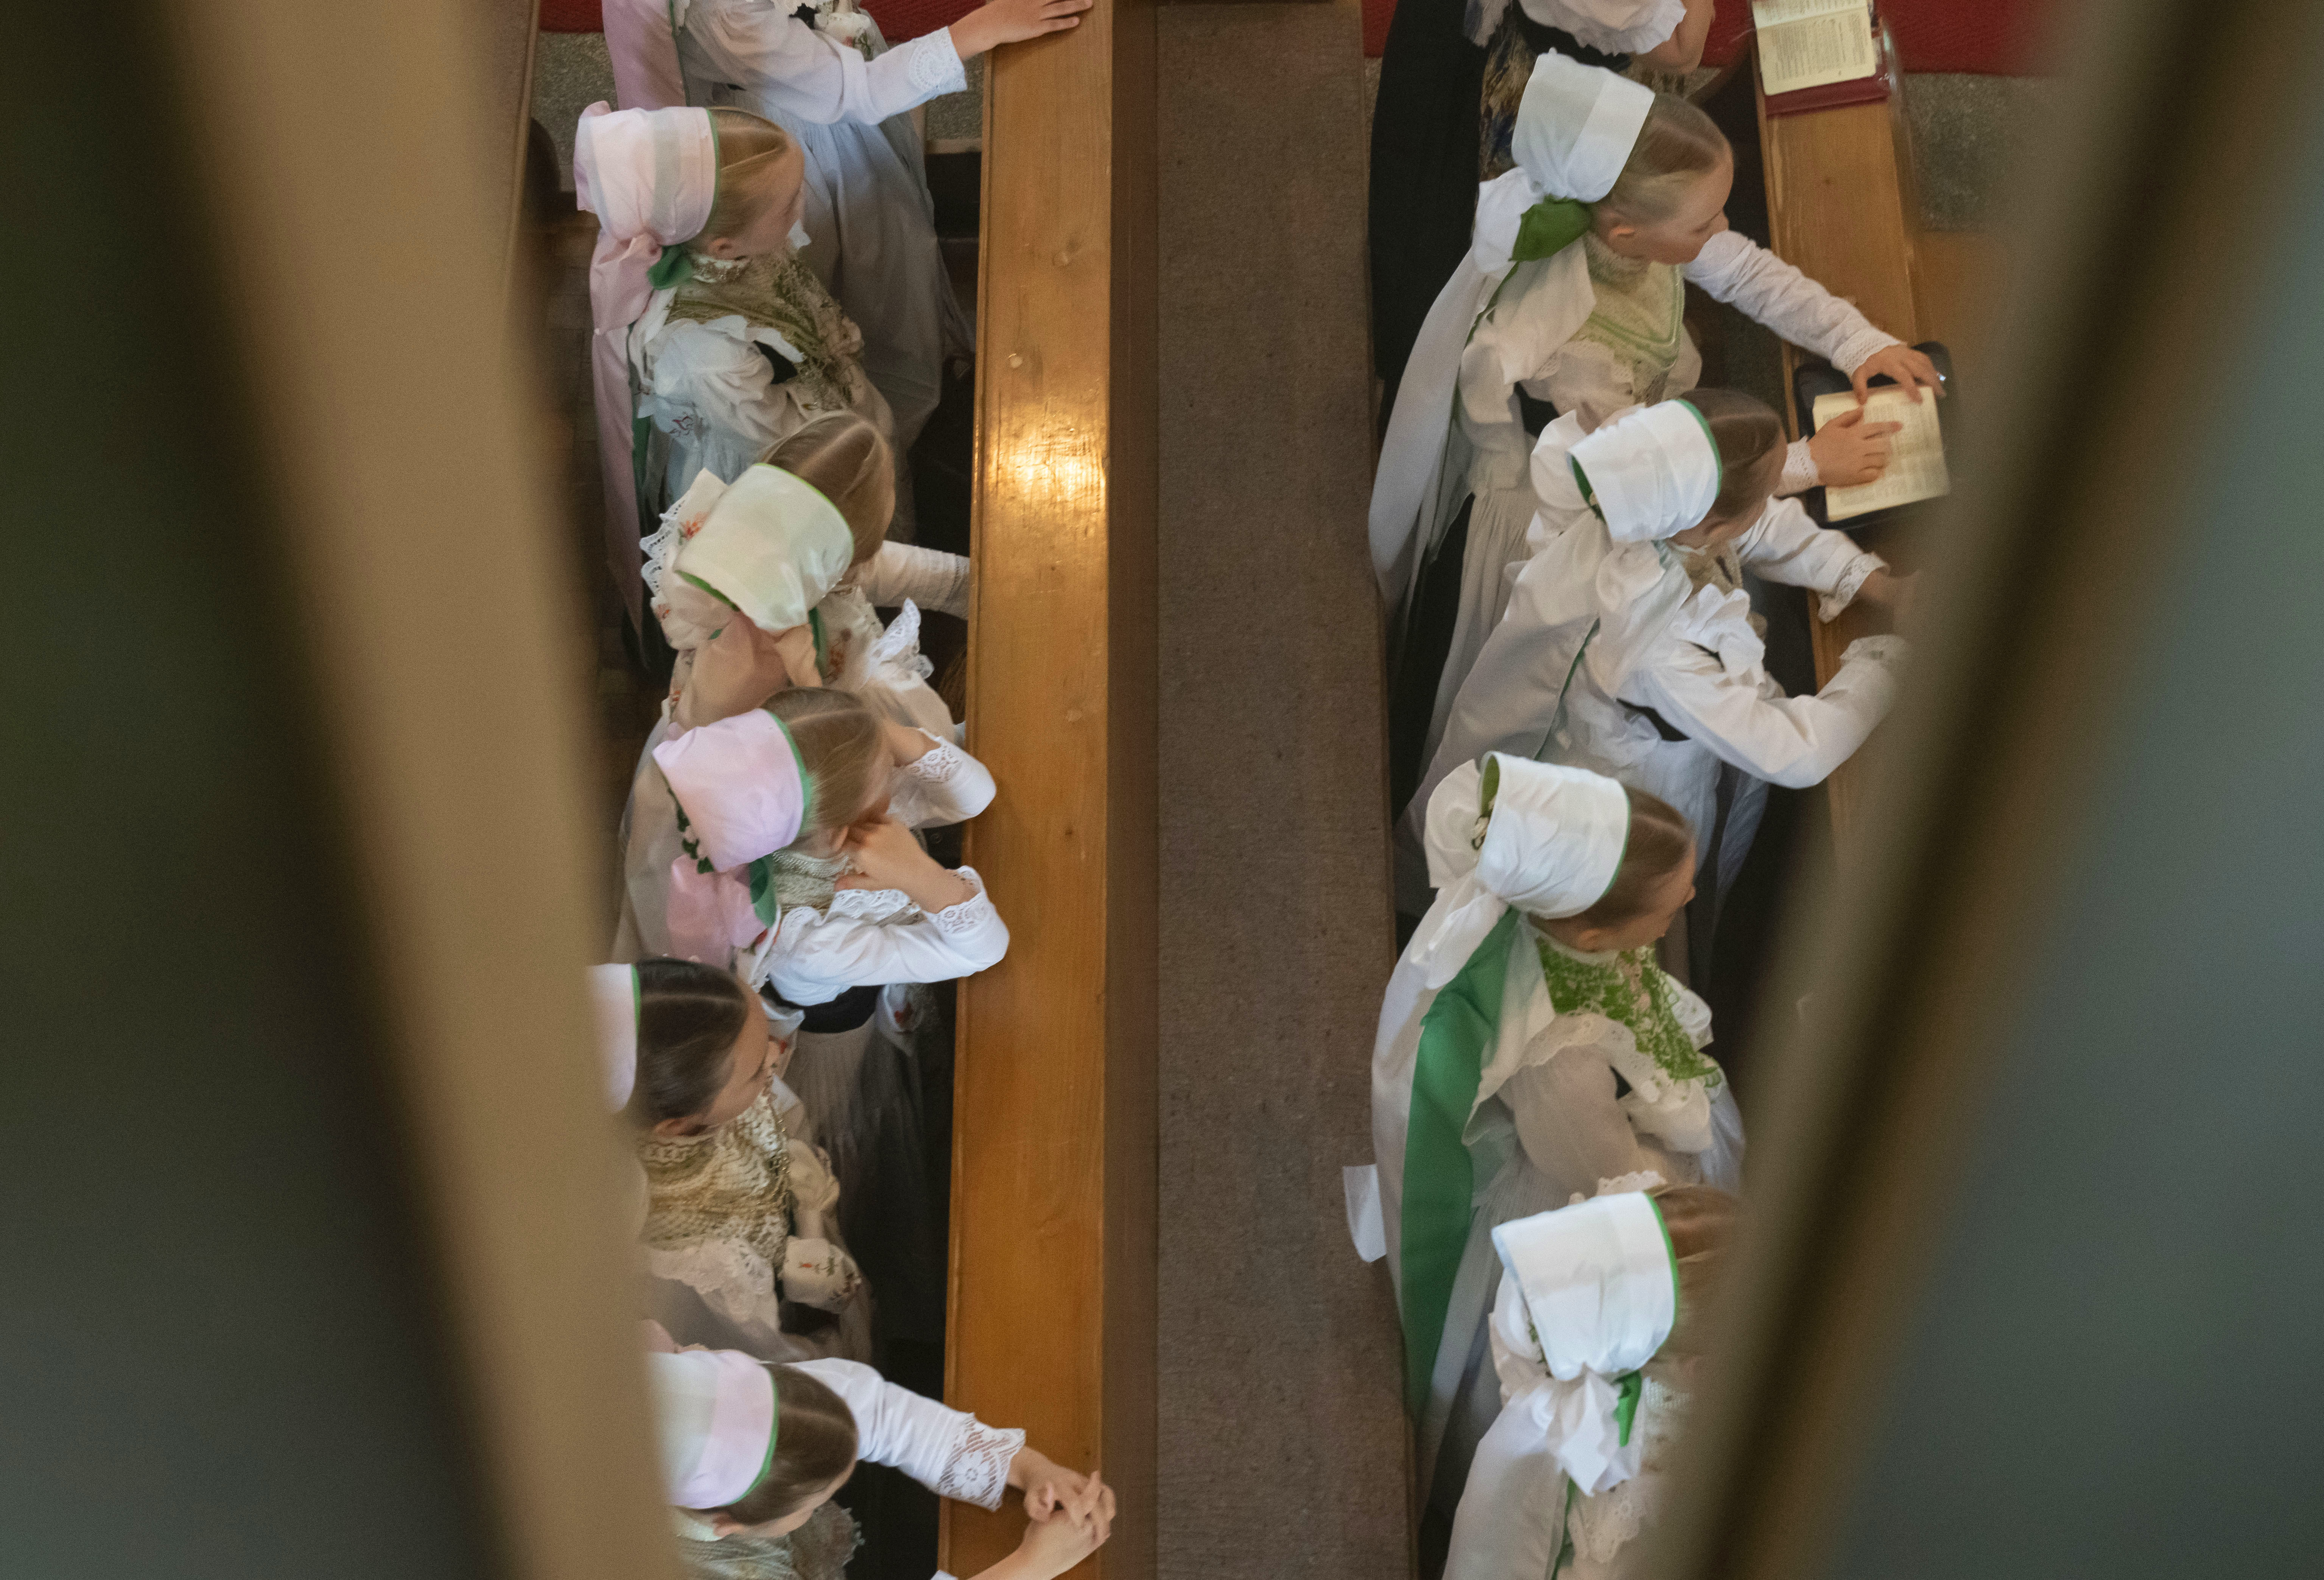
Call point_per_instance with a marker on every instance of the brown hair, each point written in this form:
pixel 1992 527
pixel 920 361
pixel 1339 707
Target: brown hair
pixel 749 148
pixel 1700 1222
pixel 814 1442
pixel 841 748
pixel 689 1017
pixel 842 455
pixel 1660 842
pixel 1677 144
pixel 1746 431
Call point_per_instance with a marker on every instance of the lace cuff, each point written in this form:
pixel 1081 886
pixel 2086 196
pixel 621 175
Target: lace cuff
pixel 1888 651
pixel 1850 354
pixel 978 1471
pixel 935 65
pixel 942 766
pixel 1850 582
pixel 971 913
pixel 1800 473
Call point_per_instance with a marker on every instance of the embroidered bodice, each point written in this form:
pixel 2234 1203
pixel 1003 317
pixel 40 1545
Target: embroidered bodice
pixel 1639 316
pixel 1630 989
pixel 732 1184
pixel 777 290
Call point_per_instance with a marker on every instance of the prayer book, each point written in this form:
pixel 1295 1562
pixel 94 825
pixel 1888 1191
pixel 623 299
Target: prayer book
pixel 1916 455
pixel 1808 43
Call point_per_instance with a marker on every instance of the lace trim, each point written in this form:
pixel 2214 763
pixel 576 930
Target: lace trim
pixel 978 1471
pixel 969 914
pixel 934 67
pixel 1800 472
pixel 946 763
pixel 1851 582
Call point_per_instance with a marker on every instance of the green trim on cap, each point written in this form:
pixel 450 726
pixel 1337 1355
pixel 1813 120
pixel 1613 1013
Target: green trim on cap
pixel 807 781
pixel 1672 1252
pixel 692 580
pixel 1581 481
pixel 774 1435
pixel 1718 461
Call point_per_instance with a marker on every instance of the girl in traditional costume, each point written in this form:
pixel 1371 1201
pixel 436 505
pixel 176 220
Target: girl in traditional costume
pixel 711 341
pixel 1530 1048
pixel 1629 646
pixel 1595 1338
pixel 794 860
pixel 753 1455
pixel 740 1228
pixel 1451 78
pixel 1574 288
pixel 822 72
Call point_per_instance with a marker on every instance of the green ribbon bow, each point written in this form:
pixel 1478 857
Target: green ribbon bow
pixel 1628 1387
pixel 1549 227
pixel 674 267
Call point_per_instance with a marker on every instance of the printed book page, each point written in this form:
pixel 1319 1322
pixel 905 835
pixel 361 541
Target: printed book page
pixel 1830 43
pixel 1917 458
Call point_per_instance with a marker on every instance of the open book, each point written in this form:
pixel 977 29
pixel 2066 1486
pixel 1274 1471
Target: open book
pixel 1916 457
pixel 1806 44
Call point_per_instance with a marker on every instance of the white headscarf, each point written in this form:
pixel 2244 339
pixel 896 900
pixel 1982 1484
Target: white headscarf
pixel 1654 470
pixel 717 1410
pixel 1575 128
pixel 1550 846
pixel 1589 1294
pixel 650 178
pixel 613 999
pixel 769 545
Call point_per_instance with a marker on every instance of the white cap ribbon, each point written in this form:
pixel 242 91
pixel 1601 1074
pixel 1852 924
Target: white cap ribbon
pixel 1590 1294
pixel 613 997
pixel 1551 843
pixel 718 1421
pixel 1576 125
pixel 1649 471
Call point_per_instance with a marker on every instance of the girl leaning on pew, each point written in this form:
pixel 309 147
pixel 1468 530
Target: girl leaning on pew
pixel 1573 291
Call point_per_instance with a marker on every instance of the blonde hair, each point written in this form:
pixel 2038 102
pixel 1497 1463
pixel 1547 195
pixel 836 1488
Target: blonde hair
pixel 841 453
pixel 1746 430
pixel 840 747
pixel 1659 843
pixel 1677 146
pixel 749 148
pixel 1700 1222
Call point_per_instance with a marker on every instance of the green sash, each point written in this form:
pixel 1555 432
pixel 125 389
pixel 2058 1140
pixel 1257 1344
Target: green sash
pixel 1439 1181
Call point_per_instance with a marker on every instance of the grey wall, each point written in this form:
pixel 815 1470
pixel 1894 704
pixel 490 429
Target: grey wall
pixel 2114 1368
pixel 220 1352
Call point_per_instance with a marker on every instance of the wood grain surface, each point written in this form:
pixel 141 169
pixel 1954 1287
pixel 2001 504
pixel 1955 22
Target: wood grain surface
pixel 1840 207
pixel 1051 1299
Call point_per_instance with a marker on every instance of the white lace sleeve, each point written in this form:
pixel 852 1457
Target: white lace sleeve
pixel 817 956
pixel 927 577
pixel 947 1451
pixel 1800 472
pixel 945 785
pixel 978 1472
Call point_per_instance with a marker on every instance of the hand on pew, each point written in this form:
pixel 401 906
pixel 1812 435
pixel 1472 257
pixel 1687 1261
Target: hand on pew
pixel 1011 22
pixel 1848 450
pixel 1888 598
pixel 1053 1493
pixel 1908 367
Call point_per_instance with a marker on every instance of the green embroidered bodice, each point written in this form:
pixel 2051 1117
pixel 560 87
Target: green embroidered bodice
pixel 1632 991
pixel 1639 316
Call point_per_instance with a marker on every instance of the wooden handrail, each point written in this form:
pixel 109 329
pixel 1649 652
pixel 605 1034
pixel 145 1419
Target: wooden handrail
pixel 1051 1303
pixel 1841 208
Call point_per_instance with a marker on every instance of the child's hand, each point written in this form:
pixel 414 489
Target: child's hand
pixel 1848 450
pixel 1050 1548
pixel 1908 367
pixel 1009 22
pixel 1053 1493
pixel 1890 595
pixel 887 856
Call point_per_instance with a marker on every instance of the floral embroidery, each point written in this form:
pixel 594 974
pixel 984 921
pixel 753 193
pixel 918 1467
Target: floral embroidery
pixel 978 1471
pixel 1631 990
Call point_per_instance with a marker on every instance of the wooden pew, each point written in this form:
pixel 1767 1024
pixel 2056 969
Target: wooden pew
pixel 1051 1309
pixel 1841 206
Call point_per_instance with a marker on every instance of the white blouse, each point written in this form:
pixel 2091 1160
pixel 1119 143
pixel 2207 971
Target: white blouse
pixel 947 1451
pixel 1708 678
pixel 861 940
pixel 929 577
pixel 762 46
